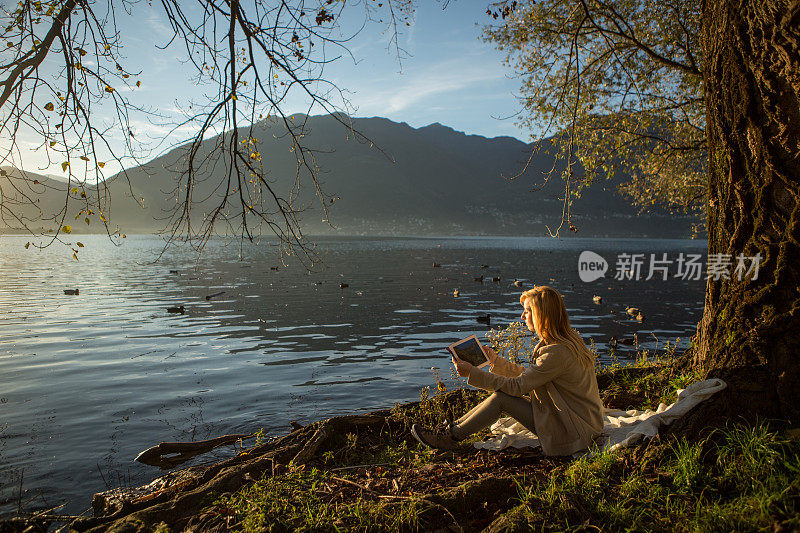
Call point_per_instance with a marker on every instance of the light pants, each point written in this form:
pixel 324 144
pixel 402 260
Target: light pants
pixel 492 408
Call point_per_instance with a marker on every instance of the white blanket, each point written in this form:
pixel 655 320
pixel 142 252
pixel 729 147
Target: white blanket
pixel 620 428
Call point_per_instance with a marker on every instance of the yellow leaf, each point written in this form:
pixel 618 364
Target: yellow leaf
pixel 124 236
pixel 101 164
pixel 67 229
pixel 52 143
pixel 87 220
pixel 139 83
pixel 64 166
pixel 75 256
pixel 80 244
pixel 81 51
pixel 109 89
pixel 84 158
pixel 27 245
pixel 108 47
pixel 74 190
pixel 103 218
pixel 49 106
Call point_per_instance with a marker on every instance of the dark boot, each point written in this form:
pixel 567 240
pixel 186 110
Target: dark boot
pixel 439 438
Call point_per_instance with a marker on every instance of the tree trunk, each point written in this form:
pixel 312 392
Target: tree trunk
pixel 750 330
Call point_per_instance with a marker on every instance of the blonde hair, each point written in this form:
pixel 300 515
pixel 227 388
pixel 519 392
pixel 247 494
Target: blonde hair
pixel 549 315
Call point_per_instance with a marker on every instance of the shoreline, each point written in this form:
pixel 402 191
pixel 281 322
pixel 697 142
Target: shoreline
pixel 365 471
pixel 432 237
pixel 150 369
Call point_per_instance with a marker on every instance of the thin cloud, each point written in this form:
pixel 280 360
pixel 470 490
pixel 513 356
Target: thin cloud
pixel 412 88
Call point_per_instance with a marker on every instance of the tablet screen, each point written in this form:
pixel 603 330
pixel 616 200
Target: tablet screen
pixel 470 351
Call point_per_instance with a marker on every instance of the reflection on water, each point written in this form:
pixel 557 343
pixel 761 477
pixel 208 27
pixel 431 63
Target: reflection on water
pixel 89 381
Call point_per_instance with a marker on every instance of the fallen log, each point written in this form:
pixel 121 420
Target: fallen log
pixel 183 451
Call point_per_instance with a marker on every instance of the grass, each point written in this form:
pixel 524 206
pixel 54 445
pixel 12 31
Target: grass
pixel 440 406
pixel 740 478
pixel 311 499
pixel 651 379
pixel 385 450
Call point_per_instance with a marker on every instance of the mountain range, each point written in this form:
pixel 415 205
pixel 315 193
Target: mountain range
pixel 431 180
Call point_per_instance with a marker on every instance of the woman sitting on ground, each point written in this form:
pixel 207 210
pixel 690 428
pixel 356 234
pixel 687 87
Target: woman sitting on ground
pixel 564 409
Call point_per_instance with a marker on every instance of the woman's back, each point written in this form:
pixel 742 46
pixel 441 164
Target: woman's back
pixel 573 391
pixel 565 400
pixel 564 409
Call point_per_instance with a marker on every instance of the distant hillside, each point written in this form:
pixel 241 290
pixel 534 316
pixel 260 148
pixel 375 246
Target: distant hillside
pixel 438 181
pixel 27 199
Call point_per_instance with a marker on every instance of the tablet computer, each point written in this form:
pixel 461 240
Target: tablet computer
pixel 469 349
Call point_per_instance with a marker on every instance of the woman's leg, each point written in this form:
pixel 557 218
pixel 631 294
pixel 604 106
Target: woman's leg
pixel 467 414
pixel 490 409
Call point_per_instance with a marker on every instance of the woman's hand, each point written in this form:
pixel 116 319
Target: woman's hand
pixel 490 354
pixel 462 367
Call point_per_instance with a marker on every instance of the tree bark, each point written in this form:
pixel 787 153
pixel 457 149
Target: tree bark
pixel 752 87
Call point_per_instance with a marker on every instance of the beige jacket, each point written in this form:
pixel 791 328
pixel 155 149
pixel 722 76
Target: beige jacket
pixel 567 410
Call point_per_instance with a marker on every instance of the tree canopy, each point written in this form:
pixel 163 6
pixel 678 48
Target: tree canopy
pixel 620 85
pixel 618 82
pixel 65 62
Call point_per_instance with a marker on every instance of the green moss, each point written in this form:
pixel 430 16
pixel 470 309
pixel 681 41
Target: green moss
pixel 719 160
pixel 730 338
pixel 162 528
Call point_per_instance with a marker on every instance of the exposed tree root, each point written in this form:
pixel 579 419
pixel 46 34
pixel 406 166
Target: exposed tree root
pixel 475 480
pixel 749 397
pixel 176 497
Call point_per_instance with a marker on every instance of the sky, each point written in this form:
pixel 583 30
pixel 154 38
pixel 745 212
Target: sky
pixel 446 74
pixel 450 76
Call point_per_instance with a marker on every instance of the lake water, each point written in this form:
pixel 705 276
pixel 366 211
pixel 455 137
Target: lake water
pixel 89 381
